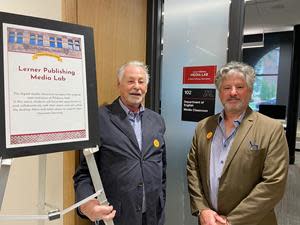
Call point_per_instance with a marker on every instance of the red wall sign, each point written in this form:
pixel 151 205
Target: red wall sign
pixel 199 74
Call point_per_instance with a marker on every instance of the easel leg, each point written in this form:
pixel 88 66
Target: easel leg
pixel 4 171
pixel 90 159
pixel 42 186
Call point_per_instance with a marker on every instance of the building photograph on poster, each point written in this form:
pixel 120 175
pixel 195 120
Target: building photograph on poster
pixel 45 79
pixel 197 104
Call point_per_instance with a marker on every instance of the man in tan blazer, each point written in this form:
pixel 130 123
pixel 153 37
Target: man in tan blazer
pixel 238 162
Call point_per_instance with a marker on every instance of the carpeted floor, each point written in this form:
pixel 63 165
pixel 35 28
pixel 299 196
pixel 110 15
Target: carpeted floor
pixel 288 210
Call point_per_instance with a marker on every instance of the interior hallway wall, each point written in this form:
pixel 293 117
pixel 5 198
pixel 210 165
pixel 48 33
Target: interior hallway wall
pixel 194 34
pixel 21 194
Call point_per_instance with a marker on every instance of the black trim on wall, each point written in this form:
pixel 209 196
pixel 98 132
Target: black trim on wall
pixel 292 114
pixel 236 30
pixel 153 52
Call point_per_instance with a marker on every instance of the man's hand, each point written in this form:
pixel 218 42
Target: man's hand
pixel 210 217
pixel 94 211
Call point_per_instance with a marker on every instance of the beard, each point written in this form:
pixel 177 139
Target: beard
pixel 235 108
pixel 135 99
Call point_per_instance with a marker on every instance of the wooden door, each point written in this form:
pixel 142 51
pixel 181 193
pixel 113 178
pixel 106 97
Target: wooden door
pixel 119 36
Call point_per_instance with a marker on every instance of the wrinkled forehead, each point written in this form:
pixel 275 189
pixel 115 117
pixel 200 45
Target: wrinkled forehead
pixel 134 72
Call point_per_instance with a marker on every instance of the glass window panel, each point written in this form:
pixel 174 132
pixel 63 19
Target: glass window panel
pixel 59 42
pixel 269 63
pixel 52 42
pixel 77 45
pixel 265 86
pixel 32 39
pixel 20 38
pixel 40 40
pixel 11 37
pixel 70 44
pixel 264 91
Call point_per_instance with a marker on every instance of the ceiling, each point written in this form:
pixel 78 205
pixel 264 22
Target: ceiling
pixel 271 15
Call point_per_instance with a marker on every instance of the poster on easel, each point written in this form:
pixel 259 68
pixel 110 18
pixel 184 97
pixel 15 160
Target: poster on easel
pixel 49 97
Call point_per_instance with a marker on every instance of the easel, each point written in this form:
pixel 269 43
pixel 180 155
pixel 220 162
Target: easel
pixel 5 165
pixel 4 171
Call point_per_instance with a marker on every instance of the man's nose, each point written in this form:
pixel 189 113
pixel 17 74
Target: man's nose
pixel 136 85
pixel 233 91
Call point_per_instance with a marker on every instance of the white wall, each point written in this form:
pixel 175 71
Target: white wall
pixel 50 9
pixel 22 190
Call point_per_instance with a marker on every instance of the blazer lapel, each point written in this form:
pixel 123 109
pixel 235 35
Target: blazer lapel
pixel 210 128
pixel 147 129
pixel 242 132
pixel 119 118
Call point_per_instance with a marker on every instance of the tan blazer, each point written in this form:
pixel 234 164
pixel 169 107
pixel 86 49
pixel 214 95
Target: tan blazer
pixel 253 178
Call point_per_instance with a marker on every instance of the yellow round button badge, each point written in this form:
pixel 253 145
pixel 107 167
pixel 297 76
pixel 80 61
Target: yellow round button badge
pixel 209 135
pixel 156 143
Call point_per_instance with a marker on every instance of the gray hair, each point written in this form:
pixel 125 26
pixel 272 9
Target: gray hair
pixel 245 69
pixel 121 71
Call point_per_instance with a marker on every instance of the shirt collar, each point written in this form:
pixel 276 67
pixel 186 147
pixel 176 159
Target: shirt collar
pixel 128 112
pixel 236 122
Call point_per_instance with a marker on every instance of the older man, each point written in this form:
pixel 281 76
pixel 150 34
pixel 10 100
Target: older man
pixel 238 162
pixel 131 159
